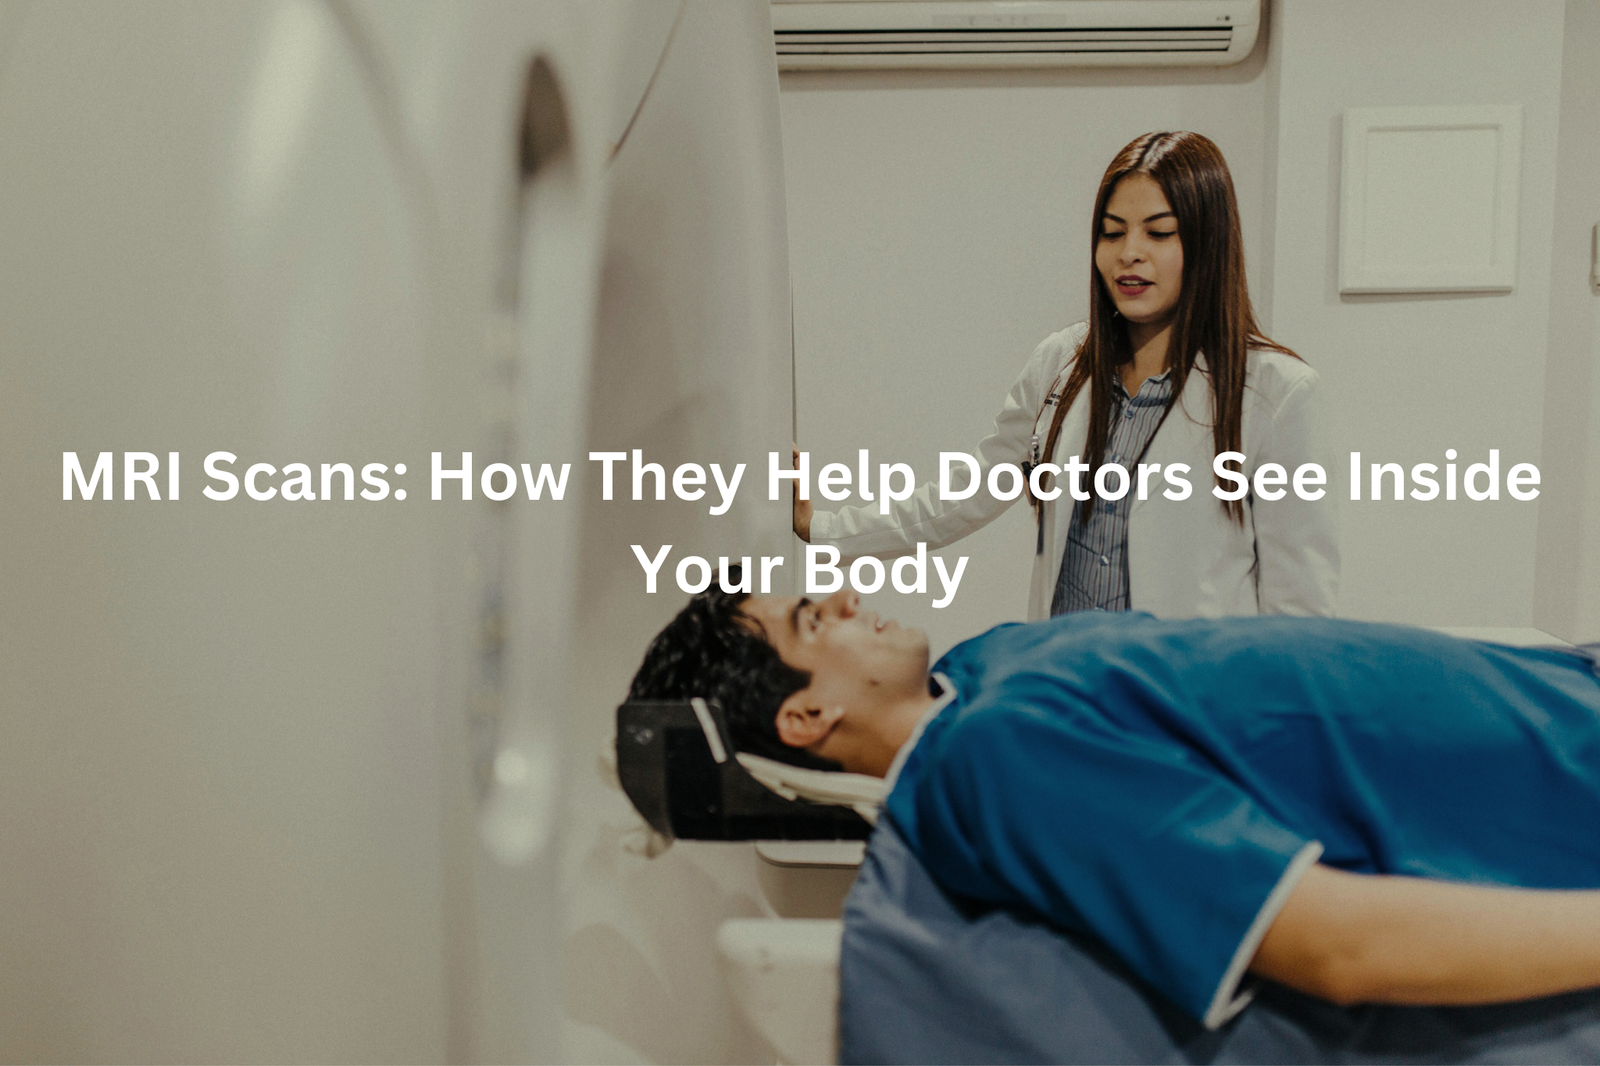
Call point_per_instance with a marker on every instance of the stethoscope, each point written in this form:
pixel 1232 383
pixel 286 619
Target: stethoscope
pixel 1047 408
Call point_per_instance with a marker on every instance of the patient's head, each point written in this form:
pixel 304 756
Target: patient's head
pixel 815 683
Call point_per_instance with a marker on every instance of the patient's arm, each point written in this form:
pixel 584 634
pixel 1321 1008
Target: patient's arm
pixel 1359 938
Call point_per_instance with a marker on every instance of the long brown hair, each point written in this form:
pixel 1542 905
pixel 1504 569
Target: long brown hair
pixel 1213 312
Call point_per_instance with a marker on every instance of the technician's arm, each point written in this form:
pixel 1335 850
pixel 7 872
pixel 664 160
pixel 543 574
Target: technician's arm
pixel 802 508
pixel 1358 938
pixel 866 530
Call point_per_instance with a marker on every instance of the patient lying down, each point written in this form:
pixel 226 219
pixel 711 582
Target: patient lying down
pixel 1364 812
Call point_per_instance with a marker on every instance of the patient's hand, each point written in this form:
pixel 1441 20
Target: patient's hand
pixel 802 508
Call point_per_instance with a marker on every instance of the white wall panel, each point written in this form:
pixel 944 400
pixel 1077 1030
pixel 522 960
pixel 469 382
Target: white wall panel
pixel 1428 199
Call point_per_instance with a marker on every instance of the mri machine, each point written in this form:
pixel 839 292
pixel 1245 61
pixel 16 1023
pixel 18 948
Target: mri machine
pixel 316 780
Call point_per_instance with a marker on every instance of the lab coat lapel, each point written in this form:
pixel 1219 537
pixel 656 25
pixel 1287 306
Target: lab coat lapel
pixel 1074 430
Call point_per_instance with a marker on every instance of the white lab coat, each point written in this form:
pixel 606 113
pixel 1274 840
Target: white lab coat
pixel 1186 558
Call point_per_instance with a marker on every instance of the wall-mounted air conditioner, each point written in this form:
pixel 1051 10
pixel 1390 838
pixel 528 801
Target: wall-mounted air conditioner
pixel 847 34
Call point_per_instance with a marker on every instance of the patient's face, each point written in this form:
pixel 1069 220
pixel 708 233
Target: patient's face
pixel 854 656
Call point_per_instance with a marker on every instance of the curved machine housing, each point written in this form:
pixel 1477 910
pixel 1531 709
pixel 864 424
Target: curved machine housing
pixel 291 776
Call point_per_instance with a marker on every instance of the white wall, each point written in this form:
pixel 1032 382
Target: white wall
pixel 1415 375
pixel 1567 574
pixel 938 230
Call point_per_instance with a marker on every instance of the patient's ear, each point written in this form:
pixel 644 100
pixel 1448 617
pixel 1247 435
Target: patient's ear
pixel 802 722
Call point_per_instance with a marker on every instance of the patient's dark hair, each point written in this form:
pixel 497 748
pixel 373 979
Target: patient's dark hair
pixel 714 650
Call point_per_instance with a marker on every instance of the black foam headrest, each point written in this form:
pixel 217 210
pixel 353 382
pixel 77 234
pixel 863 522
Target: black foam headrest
pixel 670 771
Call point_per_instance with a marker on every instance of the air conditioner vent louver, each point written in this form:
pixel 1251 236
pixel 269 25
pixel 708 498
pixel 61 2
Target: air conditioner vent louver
pixel 842 34
pixel 879 42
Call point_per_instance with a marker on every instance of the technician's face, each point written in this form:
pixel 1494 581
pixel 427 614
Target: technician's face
pixel 1138 255
pixel 853 655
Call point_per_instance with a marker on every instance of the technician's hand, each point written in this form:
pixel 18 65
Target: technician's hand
pixel 802 508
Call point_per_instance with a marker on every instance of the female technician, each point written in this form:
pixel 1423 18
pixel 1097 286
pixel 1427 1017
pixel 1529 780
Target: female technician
pixel 1169 372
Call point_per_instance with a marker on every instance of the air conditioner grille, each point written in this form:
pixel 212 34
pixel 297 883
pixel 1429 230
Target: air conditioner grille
pixel 966 34
pixel 967 40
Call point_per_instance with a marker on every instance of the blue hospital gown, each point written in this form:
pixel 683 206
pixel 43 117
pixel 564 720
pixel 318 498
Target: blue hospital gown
pixel 1152 782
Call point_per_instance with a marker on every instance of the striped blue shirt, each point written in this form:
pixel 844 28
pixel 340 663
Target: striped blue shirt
pixel 1094 567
